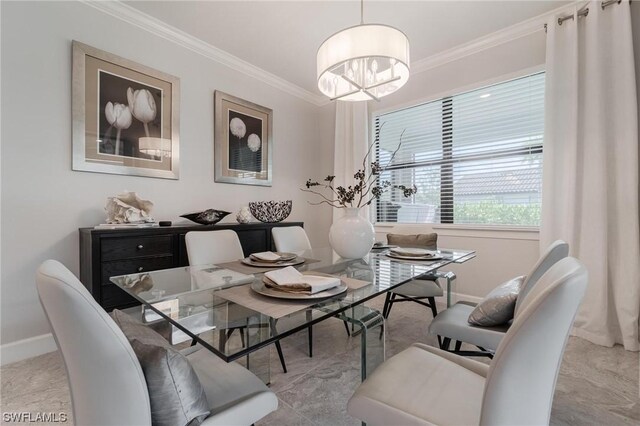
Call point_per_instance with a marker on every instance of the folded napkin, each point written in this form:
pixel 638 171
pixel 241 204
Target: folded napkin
pixel 268 256
pixel 407 251
pixel 291 280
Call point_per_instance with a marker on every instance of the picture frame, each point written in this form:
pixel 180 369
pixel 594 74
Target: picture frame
pixel 243 141
pixel 125 116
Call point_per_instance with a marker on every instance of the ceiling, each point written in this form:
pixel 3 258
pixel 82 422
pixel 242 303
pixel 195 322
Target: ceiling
pixel 283 37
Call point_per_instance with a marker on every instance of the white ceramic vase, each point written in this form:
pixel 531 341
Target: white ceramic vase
pixel 352 236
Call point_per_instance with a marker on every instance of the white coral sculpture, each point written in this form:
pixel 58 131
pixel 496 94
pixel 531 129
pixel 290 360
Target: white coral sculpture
pixel 128 207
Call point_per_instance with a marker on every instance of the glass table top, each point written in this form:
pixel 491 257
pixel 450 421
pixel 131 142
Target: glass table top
pixel 190 298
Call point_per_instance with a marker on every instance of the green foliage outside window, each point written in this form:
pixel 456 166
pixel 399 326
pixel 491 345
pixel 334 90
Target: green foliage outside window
pixel 496 213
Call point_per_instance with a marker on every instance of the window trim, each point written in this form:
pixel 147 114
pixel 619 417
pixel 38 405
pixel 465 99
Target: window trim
pixel 464 231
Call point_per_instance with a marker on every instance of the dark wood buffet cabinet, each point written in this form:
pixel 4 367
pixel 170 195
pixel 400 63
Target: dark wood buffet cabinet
pixel 108 252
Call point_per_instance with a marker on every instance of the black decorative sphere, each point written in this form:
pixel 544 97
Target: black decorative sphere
pixel 207 217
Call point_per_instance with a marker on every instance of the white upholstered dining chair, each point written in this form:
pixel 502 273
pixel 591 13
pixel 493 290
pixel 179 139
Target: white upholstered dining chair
pixel 206 247
pixel 424 385
pixel 291 239
pixel 211 247
pixel 106 380
pixel 452 324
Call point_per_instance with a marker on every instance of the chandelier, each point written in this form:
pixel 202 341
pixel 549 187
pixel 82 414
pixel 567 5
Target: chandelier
pixel 364 62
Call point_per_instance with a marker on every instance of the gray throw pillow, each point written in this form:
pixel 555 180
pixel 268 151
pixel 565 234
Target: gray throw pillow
pixel 498 306
pixel 175 392
pixel 426 241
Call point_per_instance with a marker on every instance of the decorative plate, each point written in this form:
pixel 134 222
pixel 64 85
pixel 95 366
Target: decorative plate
pixel 278 264
pixel 260 288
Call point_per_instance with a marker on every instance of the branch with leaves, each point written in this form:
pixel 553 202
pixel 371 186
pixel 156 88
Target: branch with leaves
pixel 367 187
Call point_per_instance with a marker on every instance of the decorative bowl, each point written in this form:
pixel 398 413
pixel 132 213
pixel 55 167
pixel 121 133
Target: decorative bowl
pixel 207 217
pixel 270 211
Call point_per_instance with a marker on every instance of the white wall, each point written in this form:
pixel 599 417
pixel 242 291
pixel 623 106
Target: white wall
pixel 44 202
pixel 500 254
pixel 488 66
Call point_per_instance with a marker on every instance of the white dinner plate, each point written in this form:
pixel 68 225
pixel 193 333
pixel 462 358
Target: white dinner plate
pixel 283 257
pixel 427 258
pixel 279 264
pixel 260 288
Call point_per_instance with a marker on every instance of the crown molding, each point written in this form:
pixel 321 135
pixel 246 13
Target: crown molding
pixel 155 26
pixel 505 35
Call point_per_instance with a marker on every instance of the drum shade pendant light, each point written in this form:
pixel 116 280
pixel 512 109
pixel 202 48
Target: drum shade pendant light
pixel 364 62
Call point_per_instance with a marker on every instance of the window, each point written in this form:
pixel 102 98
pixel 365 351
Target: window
pixel 475 157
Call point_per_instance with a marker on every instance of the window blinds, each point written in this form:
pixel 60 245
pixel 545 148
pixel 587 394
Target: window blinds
pixel 475 157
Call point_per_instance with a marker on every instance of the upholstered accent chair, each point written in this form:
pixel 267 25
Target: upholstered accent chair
pixel 423 385
pixel 291 239
pixel 106 381
pixel 452 324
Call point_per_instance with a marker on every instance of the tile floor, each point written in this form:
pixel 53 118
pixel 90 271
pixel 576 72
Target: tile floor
pixel 597 385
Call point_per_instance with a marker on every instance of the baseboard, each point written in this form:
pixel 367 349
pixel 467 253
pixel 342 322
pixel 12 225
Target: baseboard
pixel 27 348
pixel 465 297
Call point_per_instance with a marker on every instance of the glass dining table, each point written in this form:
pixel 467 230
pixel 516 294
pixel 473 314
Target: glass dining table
pixel 217 307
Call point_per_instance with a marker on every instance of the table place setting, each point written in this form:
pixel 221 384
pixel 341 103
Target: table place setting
pixel 289 283
pixel 269 259
pixel 409 253
pixel 277 303
pixel 258 263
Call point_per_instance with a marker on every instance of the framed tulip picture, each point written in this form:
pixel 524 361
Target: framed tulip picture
pixel 243 142
pixel 125 116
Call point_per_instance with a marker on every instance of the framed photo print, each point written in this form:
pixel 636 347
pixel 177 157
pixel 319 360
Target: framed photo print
pixel 125 116
pixel 243 141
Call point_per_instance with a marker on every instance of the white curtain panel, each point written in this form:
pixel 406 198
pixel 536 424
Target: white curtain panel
pixel 590 179
pixel 351 145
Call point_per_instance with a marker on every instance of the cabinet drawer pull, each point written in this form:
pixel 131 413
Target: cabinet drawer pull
pixel 140 246
pixel 140 268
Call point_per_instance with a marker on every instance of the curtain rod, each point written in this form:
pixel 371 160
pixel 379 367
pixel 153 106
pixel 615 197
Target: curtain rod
pixel 585 11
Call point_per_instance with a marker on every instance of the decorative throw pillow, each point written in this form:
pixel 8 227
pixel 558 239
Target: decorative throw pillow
pixel 498 306
pixel 427 241
pixel 175 392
